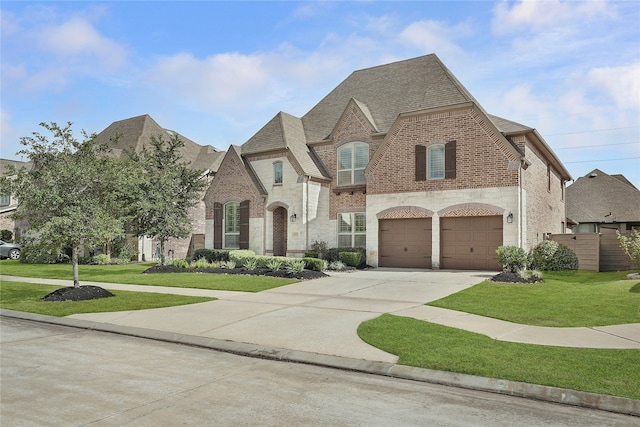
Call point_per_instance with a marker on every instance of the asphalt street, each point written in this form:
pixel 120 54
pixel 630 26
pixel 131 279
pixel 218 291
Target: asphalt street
pixel 54 375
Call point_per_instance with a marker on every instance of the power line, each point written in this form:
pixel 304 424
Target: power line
pixel 603 160
pixel 591 131
pixel 599 145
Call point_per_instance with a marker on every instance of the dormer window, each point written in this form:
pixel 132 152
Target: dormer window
pixel 352 160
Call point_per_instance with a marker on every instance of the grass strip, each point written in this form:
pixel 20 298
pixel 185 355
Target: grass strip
pixel 564 299
pixel 26 297
pixel 132 274
pixel 427 345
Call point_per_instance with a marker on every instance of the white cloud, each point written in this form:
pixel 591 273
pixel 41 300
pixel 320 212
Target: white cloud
pixel 524 16
pixel 76 37
pixel 622 84
pixel 434 36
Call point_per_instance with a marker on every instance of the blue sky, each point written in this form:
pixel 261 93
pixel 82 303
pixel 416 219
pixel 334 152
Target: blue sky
pixel 218 71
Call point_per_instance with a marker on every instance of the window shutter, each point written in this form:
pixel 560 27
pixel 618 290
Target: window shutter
pixel 421 163
pixel 217 225
pixel 450 160
pixel 244 224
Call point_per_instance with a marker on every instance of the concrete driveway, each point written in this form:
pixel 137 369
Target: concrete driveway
pixel 317 316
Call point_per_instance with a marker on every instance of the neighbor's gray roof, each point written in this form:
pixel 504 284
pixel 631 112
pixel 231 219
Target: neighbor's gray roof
pixel 136 131
pixel 592 197
pixel 285 132
pixel 15 163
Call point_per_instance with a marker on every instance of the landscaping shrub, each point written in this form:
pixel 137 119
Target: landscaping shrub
pixel 549 255
pixel 333 254
pixel 201 263
pixel 101 259
pixel 32 252
pixel 251 263
pixel 295 266
pixel 6 236
pixel 336 265
pixel 351 259
pixel 240 256
pixel 314 264
pixel 512 258
pixel 211 255
pixel 311 254
pixel 274 264
pixel 181 263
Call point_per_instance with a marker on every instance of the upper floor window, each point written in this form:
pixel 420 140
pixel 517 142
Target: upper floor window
pixel 435 164
pixel 437 161
pixel 352 160
pixel 277 173
pixel 232 225
pixel 5 200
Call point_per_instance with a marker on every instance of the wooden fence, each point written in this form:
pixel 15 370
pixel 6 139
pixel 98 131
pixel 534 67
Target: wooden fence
pixel 596 252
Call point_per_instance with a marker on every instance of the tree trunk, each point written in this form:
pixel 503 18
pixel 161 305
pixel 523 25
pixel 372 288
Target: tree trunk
pixel 74 262
pixel 162 259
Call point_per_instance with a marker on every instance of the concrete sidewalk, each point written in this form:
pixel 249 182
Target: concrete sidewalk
pixel 322 315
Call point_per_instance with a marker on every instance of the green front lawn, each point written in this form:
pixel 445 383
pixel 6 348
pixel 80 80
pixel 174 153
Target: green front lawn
pixel 431 346
pixel 26 297
pixel 564 299
pixel 132 274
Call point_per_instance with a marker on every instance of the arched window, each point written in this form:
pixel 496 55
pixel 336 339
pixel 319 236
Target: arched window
pixel 435 156
pixel 232 225
pixel 352 160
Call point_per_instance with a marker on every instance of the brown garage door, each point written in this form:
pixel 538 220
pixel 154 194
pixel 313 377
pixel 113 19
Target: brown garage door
pixel 470 243
pixel 405 243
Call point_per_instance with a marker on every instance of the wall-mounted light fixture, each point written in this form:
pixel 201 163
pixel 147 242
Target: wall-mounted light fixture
pixel 293 217
pixel 510 217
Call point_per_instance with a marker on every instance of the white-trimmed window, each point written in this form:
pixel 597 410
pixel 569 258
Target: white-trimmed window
pixel 232 225
pixel 5 200
pixel 352 229
pixel 352 160
pixel 277 172
pixel 435 161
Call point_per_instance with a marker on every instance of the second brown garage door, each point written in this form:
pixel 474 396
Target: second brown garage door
pixel 405 243
pixel 470 243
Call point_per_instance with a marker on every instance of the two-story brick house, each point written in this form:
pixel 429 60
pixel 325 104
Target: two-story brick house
pixel 399 159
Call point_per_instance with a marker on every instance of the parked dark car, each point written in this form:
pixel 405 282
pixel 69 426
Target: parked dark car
pixel 9 250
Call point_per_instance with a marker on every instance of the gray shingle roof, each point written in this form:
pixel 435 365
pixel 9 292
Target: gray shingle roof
pixel 388 90
pixel 592 197
pixel 136 131
pixel 285 132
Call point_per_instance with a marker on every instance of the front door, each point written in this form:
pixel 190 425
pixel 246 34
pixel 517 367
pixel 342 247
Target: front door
pixel 280 232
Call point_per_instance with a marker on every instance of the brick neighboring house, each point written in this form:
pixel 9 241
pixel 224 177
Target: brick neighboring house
pixel 398 158
pixel 135 133
pixel 9 203
pixel 602 203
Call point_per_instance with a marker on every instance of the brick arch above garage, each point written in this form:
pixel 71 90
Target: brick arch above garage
pixel 471 209
pixel 404 212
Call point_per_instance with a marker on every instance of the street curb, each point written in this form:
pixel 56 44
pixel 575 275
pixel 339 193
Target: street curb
pixel 563 396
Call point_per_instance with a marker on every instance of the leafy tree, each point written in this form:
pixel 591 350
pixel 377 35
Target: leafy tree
pixel 169 189
pixel 631 246
pixel 75 194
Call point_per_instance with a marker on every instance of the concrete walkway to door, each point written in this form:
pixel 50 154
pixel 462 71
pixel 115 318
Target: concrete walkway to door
pixel 322 315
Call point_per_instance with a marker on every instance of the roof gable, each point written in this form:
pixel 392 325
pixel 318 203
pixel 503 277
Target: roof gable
pixel 234 169
pixel 388 90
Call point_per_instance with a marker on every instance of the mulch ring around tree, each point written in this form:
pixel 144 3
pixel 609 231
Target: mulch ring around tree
pixel 302 275
pixel 81 293
pixel 508 277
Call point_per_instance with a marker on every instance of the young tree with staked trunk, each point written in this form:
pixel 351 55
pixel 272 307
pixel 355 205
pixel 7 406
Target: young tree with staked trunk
pixel 75 194
pixel 169 189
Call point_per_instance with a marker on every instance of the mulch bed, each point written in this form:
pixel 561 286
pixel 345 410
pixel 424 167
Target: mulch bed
pixel 81 293
pixel 507 277
pixel 303 275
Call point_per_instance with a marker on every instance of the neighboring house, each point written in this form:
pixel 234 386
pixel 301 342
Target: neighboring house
pixel 399 159
pixel 601 203
pixel 136 133
pixel 9 203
